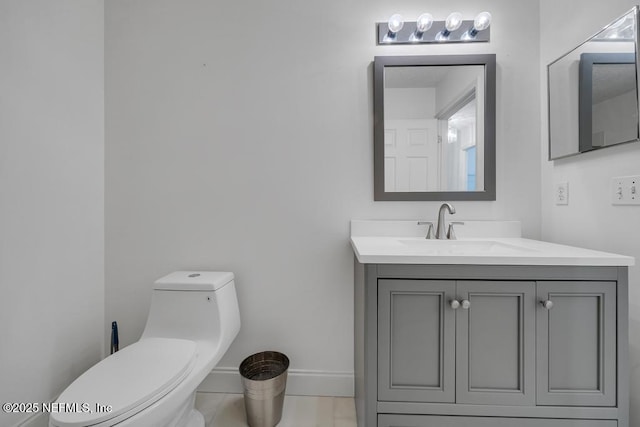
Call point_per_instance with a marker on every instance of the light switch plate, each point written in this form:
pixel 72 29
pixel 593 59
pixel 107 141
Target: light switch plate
pixel 562 193
pixel 625 190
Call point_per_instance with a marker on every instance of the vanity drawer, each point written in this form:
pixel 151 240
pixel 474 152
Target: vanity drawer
pixel 395 420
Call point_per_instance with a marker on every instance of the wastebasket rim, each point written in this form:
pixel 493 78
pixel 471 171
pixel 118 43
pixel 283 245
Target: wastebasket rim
pixel 269 356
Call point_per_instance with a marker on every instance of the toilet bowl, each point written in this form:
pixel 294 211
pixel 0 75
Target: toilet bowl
pixel 193 319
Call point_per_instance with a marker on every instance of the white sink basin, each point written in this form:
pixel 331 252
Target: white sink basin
pixel 463 247
pixel 480 243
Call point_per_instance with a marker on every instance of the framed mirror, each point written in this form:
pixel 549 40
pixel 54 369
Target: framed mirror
pixel 593 91
pixel 434 127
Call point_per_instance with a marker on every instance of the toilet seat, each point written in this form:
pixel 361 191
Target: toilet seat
pixel 129 380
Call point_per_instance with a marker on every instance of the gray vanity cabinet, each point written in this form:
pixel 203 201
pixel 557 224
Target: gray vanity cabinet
pixel 422 339
pixel 436 421
pixel 495 338
pixel 476 346
pixel 416 327
pixel 576 344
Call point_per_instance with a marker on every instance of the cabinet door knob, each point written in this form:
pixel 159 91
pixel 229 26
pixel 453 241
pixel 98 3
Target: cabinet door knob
pixel 454 304
pixel 466 304
pixel 548 304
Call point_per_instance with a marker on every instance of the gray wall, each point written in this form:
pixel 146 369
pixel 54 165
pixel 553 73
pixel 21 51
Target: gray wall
pixel 240 138
pixel 51 196
pixel 590 220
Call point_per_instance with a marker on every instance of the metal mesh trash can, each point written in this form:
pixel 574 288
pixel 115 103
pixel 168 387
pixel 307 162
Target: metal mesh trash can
pixel 264 380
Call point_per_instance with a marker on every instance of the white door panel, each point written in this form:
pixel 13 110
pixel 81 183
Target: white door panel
pixel 411 155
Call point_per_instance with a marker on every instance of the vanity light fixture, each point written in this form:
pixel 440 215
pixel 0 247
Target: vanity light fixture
pixel 424 23
pixel 620 30
pixel 481 23
pixel 452 23
pixel 394 25
pixel 426 30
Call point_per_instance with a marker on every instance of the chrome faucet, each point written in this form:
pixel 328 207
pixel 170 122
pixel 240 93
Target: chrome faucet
pixel 440 233
pixel 429 224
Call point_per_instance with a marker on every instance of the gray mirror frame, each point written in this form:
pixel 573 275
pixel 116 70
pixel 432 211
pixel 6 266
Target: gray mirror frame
pixel 489 62
pixel 585 95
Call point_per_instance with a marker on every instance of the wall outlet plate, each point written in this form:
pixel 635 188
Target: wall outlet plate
pixel 562 193
pixel 625 190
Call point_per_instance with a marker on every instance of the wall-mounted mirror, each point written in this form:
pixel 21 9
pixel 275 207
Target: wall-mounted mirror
pixel 434 127
pixel 593 91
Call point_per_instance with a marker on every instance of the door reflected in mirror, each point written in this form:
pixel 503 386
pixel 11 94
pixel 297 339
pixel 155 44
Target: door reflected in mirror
pixel 435 128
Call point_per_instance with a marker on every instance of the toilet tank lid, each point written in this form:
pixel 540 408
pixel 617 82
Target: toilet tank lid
pixel 194 281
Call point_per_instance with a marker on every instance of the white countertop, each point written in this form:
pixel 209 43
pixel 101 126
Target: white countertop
pixel 403 242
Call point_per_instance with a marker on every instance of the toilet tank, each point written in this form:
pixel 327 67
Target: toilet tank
pixel 194 305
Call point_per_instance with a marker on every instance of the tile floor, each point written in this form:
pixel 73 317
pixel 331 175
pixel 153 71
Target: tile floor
pixel 227 410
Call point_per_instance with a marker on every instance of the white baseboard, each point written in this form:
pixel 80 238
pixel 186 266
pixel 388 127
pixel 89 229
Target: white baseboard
pixel 300 382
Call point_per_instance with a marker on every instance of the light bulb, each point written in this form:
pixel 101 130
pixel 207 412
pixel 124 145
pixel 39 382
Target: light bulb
pixel 618 23
pixel 425 21
pixel 453 22
pixel 395 23
pixel 482 21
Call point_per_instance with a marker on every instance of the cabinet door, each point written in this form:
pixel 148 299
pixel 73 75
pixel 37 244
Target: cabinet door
pixel 576 344
pixel 416 328
pixel 390 420
pixel 495 343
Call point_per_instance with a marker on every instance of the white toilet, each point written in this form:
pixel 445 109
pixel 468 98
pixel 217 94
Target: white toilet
pixel 194 317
